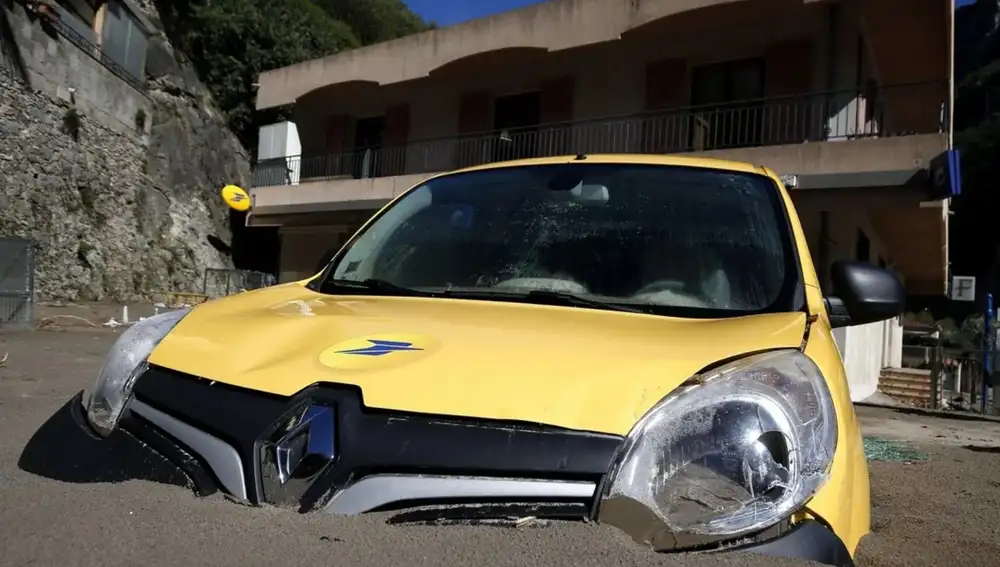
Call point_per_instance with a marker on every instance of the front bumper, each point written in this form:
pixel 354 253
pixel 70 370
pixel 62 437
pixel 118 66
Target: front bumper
pixel 217 437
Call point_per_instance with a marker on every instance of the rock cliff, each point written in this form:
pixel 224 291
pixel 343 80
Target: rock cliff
pixel 117 207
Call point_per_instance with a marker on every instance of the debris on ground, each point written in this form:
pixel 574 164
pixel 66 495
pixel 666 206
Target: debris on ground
pixel 879 449
pixel 4 359
pixel 50 321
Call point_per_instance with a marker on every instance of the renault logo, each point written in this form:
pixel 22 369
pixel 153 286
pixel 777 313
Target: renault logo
pixel 297 453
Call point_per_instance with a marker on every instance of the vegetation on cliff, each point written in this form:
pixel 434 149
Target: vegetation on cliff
pixel 230 42
pixel 374 21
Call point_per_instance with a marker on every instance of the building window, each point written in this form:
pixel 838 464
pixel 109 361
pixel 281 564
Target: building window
pixel 124 39
pixel 862 247
pixel 81 10
pixel 729 109
pixel 78 16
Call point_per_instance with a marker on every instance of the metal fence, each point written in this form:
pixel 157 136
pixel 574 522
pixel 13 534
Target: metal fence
pixel 947 377
pixel 221 282
pixel 853 114
pixel 959 380
pixel 17 283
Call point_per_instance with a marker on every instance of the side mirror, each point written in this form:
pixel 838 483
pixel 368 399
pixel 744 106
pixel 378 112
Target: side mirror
pixel 863 294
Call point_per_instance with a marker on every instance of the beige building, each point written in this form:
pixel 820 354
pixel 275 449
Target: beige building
pixel 849 99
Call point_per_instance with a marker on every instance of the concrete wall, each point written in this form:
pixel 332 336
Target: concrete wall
pixel 917 33
pixel 866 350
pixel 910 234
pixel 302 249
pixel 919 235
pixel 845 228
pixel 56 65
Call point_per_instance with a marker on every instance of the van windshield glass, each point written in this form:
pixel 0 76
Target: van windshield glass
pixel 672 240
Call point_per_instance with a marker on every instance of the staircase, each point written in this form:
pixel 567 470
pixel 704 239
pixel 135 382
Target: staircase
pixel 908 385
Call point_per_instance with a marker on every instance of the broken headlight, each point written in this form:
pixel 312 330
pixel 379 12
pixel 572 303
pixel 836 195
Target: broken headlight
pixel 735 452
pixel 124 363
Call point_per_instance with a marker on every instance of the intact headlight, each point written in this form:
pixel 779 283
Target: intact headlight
pixel 125 361
pixel 737 451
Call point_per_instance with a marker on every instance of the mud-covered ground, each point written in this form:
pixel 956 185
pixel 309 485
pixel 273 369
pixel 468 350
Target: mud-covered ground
pixel 58 507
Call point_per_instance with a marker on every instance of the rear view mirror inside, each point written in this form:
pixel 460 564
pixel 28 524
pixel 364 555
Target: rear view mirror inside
pixel 590 193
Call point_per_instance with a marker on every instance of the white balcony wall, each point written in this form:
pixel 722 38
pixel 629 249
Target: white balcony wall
pixel 281 140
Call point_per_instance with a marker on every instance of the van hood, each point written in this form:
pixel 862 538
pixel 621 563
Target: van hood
pixel 577 368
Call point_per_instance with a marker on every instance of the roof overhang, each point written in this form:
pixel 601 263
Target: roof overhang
pixel 940 180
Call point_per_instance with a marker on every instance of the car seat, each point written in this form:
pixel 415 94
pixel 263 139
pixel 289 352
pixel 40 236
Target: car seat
pixel 694 270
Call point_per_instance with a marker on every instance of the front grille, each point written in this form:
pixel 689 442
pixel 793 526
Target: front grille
pixel 371 441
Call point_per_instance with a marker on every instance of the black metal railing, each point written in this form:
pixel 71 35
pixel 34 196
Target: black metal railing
pixel 95 51
pixel 859 113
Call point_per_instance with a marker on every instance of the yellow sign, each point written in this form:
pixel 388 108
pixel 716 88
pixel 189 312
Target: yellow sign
pixel 236 198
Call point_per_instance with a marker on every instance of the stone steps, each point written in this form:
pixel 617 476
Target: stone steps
pixel 907 385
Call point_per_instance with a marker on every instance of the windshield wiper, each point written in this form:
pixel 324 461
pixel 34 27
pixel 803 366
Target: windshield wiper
pixel 540 296
pixel 571 299
pixel 373 284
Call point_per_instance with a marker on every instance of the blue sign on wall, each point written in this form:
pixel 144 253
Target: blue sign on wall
pixel 946 175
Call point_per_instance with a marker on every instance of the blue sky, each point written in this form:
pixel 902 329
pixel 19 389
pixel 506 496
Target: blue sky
pixel 448 12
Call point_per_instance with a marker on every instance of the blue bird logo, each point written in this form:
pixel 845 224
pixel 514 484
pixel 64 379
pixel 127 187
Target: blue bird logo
pixel 379 348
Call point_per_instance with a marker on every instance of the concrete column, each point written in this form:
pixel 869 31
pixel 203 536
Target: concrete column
pixel 397 134
pixel 666 88
pixel 556 111
pixel 475 116
pixel 793 116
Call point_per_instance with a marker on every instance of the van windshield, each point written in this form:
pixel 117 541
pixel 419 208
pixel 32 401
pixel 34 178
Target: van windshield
pixel 682 241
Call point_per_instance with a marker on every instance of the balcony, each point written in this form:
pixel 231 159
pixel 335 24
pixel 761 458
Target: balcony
pixel 876 112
